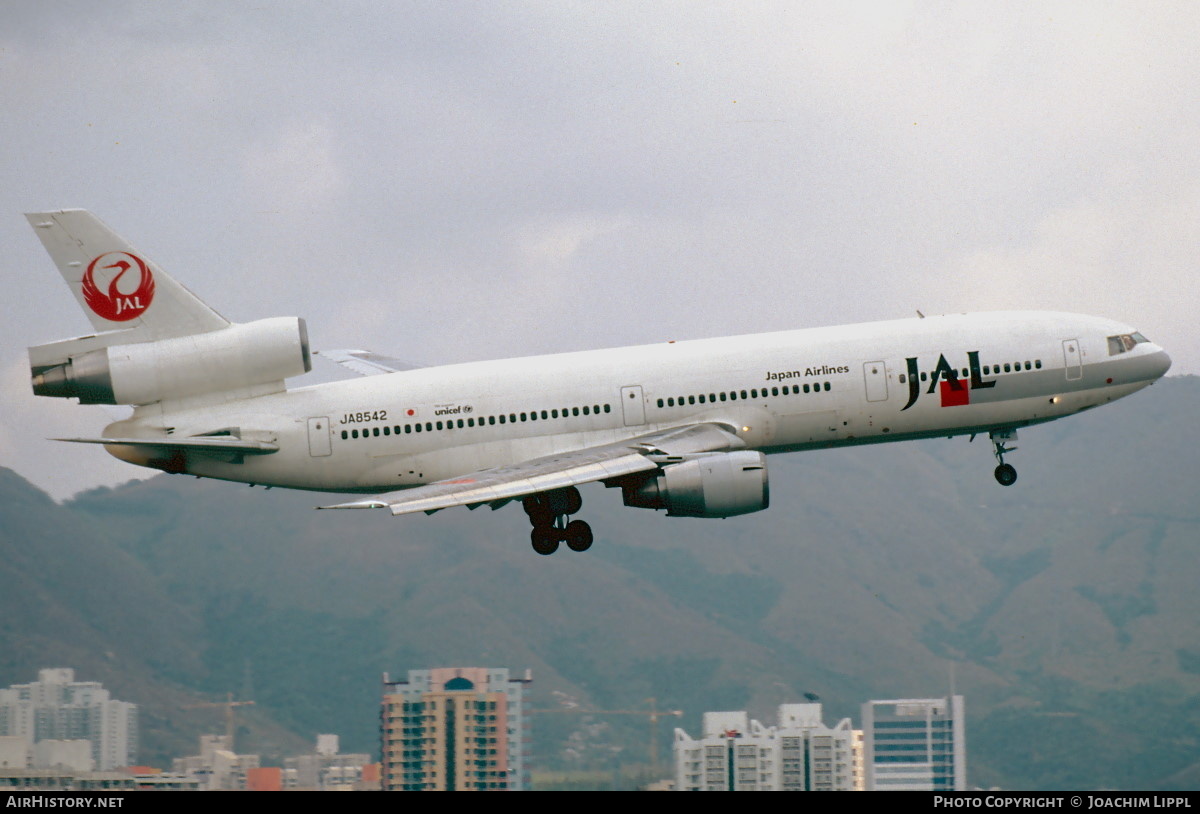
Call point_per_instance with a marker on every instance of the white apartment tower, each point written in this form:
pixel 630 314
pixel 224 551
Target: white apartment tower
pixel 739 754
pixel 57 707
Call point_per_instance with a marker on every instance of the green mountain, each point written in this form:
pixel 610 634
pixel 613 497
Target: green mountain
pixel 1063 608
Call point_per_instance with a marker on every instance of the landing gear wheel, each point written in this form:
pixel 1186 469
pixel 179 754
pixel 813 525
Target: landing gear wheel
pixel 578 535
pixel 545 539
pixel 1006 474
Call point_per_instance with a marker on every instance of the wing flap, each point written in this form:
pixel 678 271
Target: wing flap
pixel 498 486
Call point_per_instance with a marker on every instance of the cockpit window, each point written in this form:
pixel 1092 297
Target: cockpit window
pixel 1124 342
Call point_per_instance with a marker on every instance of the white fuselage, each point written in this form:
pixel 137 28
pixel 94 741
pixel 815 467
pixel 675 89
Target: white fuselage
pixel 786 391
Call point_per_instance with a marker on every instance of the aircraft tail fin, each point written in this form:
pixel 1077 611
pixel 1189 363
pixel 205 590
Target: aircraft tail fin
pixel 115 285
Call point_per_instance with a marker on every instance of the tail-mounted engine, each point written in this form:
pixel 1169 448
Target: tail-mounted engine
pixel 718 485
pixel 98 370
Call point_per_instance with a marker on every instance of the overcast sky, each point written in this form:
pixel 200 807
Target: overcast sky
pixel 446 181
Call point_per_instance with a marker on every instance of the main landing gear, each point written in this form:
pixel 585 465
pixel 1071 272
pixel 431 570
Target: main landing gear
pixel 548 514
pixel 1006 474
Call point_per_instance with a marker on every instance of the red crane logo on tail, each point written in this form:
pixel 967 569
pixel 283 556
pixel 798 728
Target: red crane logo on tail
pixel 117 305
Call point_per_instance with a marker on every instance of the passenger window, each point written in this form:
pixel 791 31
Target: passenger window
pixel 439 425
pixel 660 403
pixel 574 411
pixel 806 388
pixel 459 423
pixel 387 430
pixel 774 391
pixel 723 397
pixel 545 415
pixel 701 398
pixel 345 435
pixel 828 387
pixel 502 418
pixel 524 416
pixel 671 401
pixel 608 408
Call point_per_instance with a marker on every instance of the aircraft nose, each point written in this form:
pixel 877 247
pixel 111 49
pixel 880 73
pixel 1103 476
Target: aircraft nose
pixel 1157 364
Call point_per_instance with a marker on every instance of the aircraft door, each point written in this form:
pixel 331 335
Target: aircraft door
pixel 319 438
pixel 875 377
pixel 1073 359
pixel 633 406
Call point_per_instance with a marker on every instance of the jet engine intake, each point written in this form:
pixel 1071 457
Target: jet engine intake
pixel 719 485
pixel 239 356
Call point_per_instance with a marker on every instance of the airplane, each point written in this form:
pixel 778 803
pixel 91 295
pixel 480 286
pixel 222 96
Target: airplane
pixel 677 426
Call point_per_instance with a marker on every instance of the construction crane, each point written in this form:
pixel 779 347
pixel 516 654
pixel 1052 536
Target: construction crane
pixel 653 714
pixel 228 704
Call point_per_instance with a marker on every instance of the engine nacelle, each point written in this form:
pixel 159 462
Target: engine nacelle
pixel 239 356
pixel 719 485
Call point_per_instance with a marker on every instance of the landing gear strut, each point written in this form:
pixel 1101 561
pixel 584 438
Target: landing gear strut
pixel 548 513
pixel 1006 474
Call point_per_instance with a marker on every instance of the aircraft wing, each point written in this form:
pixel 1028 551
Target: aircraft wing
pixel 495 487
pixel 365 362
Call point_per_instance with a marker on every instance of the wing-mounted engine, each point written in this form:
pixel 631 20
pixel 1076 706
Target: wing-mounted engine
pixel 241 357
pixel 718 485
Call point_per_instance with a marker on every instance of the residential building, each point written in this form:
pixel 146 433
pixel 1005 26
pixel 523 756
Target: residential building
pixel 736 753
pixel 326 769
pixel 456 729
pixel 56 707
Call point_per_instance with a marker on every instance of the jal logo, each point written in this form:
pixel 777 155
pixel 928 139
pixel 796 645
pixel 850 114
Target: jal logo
pixel 127 296
pixel 955 391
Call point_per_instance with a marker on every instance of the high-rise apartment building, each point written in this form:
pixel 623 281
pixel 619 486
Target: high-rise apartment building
pixel 739 754
pixel 456 729
pixel 57 707
pixel 915 744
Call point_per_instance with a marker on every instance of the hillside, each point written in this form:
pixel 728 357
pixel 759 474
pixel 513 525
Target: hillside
pixel 1063 608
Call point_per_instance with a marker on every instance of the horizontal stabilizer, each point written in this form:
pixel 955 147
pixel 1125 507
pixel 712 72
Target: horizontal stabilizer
pixel 214 444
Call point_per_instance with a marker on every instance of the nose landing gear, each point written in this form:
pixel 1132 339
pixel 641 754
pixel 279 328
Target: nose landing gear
pixel 548 513
pixel 1006 474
